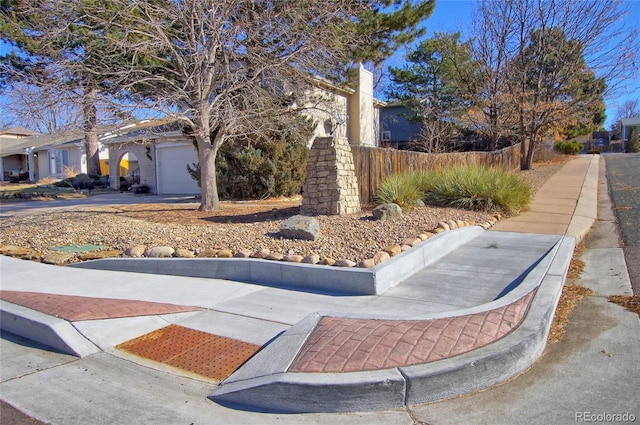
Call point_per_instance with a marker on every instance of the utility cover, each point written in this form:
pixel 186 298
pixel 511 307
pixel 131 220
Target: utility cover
pixel 77 248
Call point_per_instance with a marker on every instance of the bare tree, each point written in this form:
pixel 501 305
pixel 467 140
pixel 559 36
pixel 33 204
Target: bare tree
pixel 629 109
pixel 39 109
pixel 224 66
pixel 550 61
pixel 58 52
pixel 492 49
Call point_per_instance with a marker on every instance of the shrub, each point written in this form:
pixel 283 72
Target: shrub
pixel 569 147
pixel 273 164
pixel 480 188
pixel 83 181
pixel 632 143
pixel 401 189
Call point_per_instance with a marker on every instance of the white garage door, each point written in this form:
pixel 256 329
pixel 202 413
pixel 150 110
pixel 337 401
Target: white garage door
pixel 173 178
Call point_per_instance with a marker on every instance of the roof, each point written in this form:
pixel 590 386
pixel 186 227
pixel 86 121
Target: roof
pixel 630 121
pixel 41 141
pixel 17 131
pixel 143 130
pixel 167 129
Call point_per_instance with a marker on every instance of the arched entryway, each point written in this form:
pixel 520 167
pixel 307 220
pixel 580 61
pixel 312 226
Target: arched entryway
pixel 133 164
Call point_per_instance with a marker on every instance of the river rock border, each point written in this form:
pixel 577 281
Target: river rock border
pixel 141 251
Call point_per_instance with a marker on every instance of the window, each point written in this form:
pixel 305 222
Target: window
pixel 58 159
pixel 385 136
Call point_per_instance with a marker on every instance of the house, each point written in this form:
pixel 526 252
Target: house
pixel 13 160
pixel 159 152
pixel 396 129
pixel 38 156
pixel 155 153
pixel 625 126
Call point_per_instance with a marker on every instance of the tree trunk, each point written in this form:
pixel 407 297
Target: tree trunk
pixel 207 154
pixel 528 163
pixel 523 153
pixel 91 131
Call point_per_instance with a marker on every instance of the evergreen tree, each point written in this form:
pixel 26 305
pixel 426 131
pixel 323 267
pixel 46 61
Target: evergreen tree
pixel 632 143
pixel 430 86
pixel 60 47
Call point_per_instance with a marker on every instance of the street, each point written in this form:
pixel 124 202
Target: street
pixel 623 176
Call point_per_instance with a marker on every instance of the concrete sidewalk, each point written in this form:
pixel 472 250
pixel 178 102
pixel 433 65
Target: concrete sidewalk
pixel 256 315
pixel 567 204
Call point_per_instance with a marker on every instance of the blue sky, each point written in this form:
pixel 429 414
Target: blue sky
pixel 456 15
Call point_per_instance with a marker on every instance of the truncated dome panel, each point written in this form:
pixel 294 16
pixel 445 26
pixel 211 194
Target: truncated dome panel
pixel 205 354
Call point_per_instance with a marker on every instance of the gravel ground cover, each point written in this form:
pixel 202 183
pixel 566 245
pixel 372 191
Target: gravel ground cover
pixel 248 225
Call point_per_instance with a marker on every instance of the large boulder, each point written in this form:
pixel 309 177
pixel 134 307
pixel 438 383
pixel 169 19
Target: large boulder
pixel 300 227
pixel 387 212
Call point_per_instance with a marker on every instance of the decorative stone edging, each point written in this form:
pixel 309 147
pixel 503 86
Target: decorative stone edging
pixel 140 251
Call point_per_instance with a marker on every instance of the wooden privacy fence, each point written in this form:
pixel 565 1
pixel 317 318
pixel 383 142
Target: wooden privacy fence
pixel 372 165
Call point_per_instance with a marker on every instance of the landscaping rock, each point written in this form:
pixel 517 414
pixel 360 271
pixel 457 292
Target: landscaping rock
pixel 159 252
pixel 367 263
pixel 392 250
pixel 6 249
pixel 98 255
pixel 135 251
pixel 208 253
pixel 261 253
pixel 344 263
pixel 381 256
pixel 300 227
pixel 293 258
pixel 461 224
pixel 452 224
pixel 311 259
pixel 275 256
pixel 243 253
pixel 224 253
pixel 18 252
pixel 328 261
pixel 411 241
pixel 58 258
pixel 444 226
pixel 387 212
pixel 184 253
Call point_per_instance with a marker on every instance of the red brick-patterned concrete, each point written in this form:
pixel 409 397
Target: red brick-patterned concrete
pixel 73 308
pixel 350 345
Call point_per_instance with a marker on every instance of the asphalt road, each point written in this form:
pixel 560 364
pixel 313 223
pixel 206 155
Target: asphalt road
pixel 623 176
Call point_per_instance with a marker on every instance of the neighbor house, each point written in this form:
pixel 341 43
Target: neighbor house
pixel 39 156
pixel 396 129
pixel 625 127
pixel 13 158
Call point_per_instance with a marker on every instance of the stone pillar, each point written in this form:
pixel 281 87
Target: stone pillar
pixel 330 186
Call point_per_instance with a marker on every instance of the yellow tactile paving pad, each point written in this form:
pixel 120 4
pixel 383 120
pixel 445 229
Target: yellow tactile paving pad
pixel 198 352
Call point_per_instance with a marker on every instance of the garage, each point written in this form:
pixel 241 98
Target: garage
pixel 171 169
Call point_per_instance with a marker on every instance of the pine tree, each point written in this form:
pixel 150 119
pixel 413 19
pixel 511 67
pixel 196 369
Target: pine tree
pixel 632 143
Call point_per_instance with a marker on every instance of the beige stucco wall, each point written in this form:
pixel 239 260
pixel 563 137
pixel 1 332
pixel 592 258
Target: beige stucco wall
pixel 77 163
pixel 361 111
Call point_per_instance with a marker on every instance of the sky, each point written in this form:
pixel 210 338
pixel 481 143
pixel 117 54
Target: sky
pixel 456 15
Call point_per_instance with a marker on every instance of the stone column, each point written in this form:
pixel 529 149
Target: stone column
pixel 330 186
